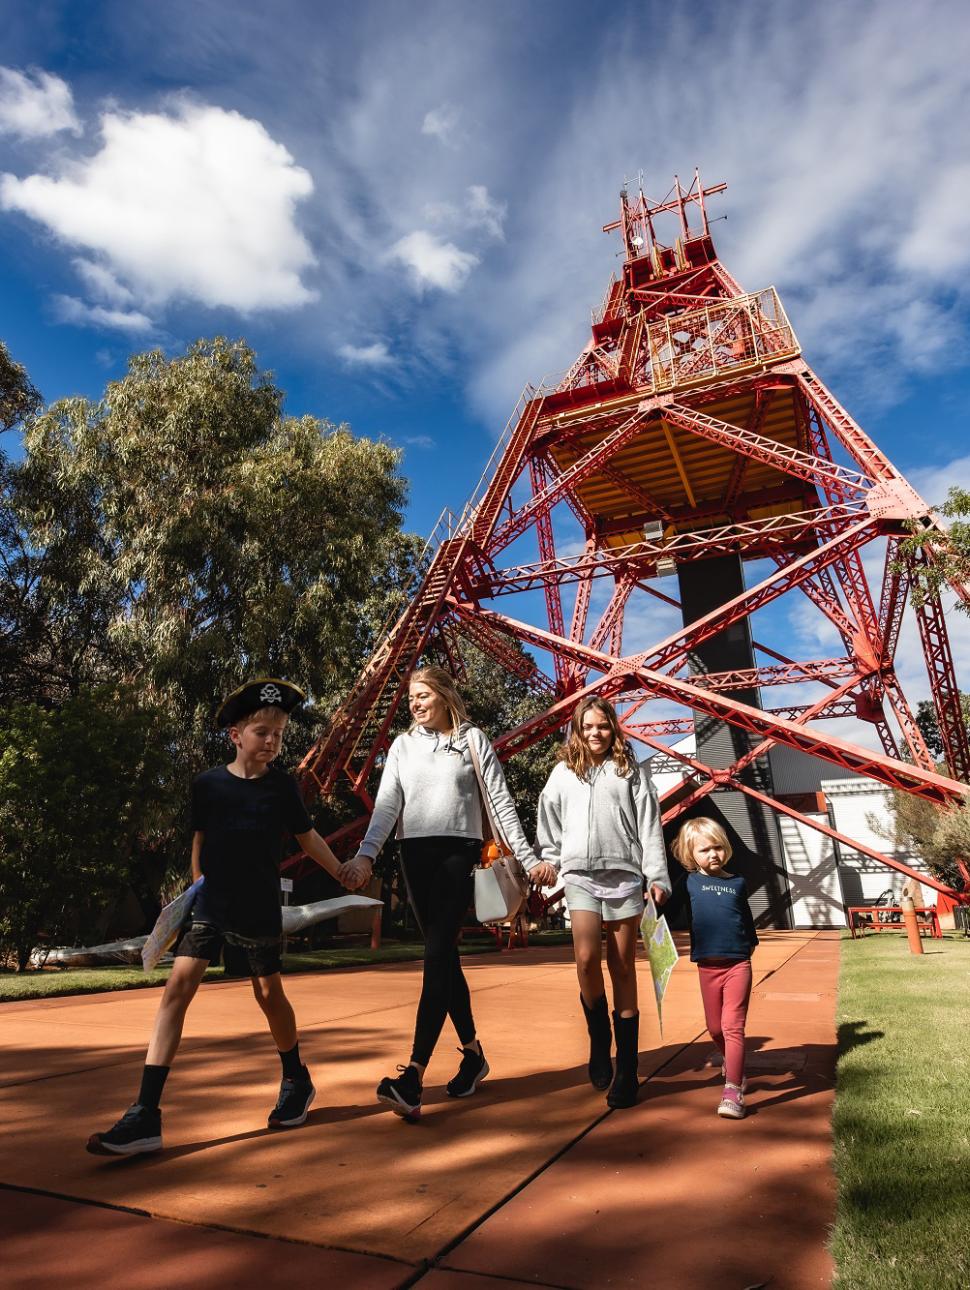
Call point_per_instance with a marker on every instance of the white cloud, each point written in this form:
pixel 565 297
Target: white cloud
pixel 102 283
pixel 432 262
pixel 937 241
pixel 375 354
pixel 442 123
pixel 194 204
pixel 934 482
pixel 419 441
pixel 485 213
pixel 71 310
pixel 34 105
pixel 846 188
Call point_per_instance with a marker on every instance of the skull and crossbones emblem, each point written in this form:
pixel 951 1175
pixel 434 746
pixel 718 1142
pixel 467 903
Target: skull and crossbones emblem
pixel 270 694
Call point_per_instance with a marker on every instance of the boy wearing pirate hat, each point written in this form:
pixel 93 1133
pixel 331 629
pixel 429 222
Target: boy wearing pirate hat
pixel 240 815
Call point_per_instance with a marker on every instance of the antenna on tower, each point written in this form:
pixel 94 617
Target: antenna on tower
pixel 638 228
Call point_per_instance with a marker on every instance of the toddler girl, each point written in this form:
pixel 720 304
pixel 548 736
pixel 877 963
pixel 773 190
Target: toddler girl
pixel 722 937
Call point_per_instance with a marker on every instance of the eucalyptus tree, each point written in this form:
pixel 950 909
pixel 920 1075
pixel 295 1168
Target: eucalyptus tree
pixel 211 535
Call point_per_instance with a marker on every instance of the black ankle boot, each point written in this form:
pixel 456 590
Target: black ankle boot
pixel 625 1087
pixel 600 1068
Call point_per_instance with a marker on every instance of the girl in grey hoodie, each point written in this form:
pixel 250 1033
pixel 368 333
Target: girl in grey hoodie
pixel 599 832
pixel 429 794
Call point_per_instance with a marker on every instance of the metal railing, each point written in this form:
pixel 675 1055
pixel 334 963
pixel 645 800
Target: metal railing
pixel 723 337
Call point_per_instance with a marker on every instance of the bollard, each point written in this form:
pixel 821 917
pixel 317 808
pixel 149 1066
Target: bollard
pixel 908 906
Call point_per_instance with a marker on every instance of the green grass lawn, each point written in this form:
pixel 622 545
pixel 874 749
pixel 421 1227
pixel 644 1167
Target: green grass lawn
pixel 56 981
pixel 902 1116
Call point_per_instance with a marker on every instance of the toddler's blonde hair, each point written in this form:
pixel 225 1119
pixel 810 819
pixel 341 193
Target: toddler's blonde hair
pixel 700 826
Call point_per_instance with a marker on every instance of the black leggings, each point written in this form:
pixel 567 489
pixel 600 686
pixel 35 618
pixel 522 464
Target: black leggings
pixel 438 874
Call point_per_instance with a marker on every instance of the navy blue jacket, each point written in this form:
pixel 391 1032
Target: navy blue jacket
pixel 721 926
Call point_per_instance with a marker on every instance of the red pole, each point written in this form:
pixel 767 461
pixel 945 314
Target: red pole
pixel 908 906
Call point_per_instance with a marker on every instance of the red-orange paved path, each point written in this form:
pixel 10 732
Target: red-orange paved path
pixel 529 1182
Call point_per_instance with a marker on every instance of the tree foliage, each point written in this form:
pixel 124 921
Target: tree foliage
pixel 950 560
pixel 182 533
pixel 929 727
pixel 78 786
pixel 209 535
pixel 18 397
pixel 939 835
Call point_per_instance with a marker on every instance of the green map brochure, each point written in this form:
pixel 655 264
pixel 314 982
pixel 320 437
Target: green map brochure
pixel 661 951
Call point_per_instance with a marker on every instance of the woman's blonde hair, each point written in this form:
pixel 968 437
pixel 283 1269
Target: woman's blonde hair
pixel 575 751
pixel 700 826
pixel 443 684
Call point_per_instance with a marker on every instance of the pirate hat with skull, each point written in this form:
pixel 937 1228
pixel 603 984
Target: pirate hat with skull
pixel 262 692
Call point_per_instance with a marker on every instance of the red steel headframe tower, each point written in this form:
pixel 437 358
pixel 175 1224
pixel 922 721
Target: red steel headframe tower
pixel 689 437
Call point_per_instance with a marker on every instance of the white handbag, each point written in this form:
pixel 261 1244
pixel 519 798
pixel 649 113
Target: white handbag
pixel 501 884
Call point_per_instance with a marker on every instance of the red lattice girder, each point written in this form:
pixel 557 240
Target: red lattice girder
pixel 681 803
pixel 857 443
pixel 547 550
pixel 791 461
pixel 730 774
pixel 624 674
pixel 943 685
pixel 892 600
pixel 363 720
pixel 497 646
pixel 895 774
pixel 820 589
pixel 510 465
pixel 751 538
pixel 577 627
pixel 824 670
pixel 762 397
pixel 915 742
pixel 544 501
pixel 612 617
pixel 679 644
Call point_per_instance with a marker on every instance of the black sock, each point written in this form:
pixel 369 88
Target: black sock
pixel 292 1065
pixel 152 1082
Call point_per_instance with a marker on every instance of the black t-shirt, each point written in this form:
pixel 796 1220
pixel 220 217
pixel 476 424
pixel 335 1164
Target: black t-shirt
pixel 244 822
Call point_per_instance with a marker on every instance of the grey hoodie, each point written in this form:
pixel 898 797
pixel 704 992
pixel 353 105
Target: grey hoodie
pixel 429 789
pixel 606 822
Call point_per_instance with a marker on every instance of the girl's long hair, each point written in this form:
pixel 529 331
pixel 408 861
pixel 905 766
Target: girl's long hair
pixel 443 684
pixel 575 751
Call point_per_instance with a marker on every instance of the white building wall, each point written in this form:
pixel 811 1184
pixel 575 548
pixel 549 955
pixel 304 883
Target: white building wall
pixel 813 877
pixel 864 880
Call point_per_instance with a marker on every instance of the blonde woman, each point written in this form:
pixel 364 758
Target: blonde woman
pixel 429 791
pixel 722 940
pixel 599 830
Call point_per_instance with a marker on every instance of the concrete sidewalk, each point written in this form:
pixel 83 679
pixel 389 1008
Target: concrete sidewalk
pixel 532 1181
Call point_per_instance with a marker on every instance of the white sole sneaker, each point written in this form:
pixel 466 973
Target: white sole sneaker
pixel 141 1146
pixel 298 1119
pixel 394 1102
pixel 475 1083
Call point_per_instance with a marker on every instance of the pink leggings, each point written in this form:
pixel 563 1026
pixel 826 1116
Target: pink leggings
pixel 726 989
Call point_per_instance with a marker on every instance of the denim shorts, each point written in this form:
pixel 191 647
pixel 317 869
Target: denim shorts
pixel 611 910
pixel 242 956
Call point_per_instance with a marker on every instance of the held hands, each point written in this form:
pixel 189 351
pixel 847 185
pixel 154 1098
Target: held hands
pixel 355 873
pixel 543 875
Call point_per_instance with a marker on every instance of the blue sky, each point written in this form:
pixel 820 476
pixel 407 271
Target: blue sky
pixel 400 206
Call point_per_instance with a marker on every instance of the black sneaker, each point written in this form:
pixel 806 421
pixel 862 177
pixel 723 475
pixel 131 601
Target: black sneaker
pixel 402 1095
pixel 471 1072
pixel 293 1103
pixel 138 1130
